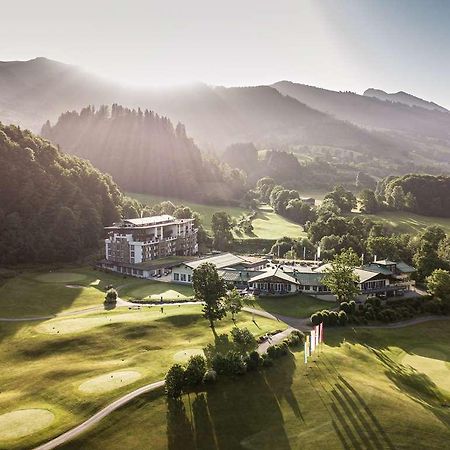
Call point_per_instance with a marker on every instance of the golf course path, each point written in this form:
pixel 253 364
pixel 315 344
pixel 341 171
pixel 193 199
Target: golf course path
pixel 61 439
pixel 74 432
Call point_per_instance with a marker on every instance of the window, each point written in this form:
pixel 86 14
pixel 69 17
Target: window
pixel 183 277
pixel 176 276
pixel 189 278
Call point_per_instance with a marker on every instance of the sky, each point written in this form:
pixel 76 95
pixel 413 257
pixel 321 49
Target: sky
pixel 346 45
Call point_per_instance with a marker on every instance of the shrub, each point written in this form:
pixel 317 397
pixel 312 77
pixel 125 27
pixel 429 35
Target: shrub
pixel 243 339
pixel 210 376
pixel 175 381
pixel 317 318
pixel 295 338
pixel 344 306
pixel 230 364
pixel 111 296
pixel 253 361
pixel 195 370
pixel 276 351
pixel 333 318
pixel 342 318
pixel 352 306
pixel 267 361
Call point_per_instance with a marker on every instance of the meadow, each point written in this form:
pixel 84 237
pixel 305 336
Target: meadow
pixel 56 372
pixel 367 389
pixel 267 224
pixel 406 222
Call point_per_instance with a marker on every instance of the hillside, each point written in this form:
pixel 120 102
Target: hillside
pixel 52 206
pixel 405 98
pixel 373 112
pixel 144 153
pixel 33 91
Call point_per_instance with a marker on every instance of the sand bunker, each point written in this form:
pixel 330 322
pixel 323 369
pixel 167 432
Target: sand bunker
pixel 23 422
pixel 109 381
pixel 184 355
pixel 60 277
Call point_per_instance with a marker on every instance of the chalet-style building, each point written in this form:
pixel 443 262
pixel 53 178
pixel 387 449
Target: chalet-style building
pixel 137 246
pixel 234 269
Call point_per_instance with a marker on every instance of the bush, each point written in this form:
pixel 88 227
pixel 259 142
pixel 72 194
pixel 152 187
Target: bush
pixel 317 318
pixel 210 377
pixel 344 306
pixel 267 361
pixel 195 370
pixel 342 318
pixel 243 339
pixel 111 296
pixel 295 338
pixel 352 306
pixel 277 351
pixel 333 318
pixel 253 361
pixel 175 381
pixel 230 364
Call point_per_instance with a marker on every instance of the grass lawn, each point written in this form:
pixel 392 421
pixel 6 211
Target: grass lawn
pixel 359 393
pixel 269 225
pixel 405 222
pixel 300 306
pixel 33 294
pixel 56 373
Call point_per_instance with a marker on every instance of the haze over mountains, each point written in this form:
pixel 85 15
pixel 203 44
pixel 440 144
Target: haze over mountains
pixel 285 115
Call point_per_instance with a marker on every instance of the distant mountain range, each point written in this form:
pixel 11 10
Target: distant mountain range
pixel 285 115
pixel 405 98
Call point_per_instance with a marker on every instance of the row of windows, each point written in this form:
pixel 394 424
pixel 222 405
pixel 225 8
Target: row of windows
pixel 182 277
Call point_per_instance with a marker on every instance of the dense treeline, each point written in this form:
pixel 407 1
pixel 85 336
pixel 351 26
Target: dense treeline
pixel 53 206
pixel 145 153
pixel 320 170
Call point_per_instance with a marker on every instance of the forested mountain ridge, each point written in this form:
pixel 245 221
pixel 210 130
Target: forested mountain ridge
pixel 145 153
pixel 53 206
pixel 371 111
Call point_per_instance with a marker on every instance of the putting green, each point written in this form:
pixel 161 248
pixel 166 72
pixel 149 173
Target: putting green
pixel 155 292
pixel 60 277
pixel 109 381
pixel 23 422
pixel 184 355
pixel 437 369
pixel 83 323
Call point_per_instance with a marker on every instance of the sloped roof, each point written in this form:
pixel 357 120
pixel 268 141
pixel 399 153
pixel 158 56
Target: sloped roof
pixel 220 261
pixel 276 272
pixel 374 267
pixel 405 268
pixel 385 262
pixel 238 275
pixel 365 275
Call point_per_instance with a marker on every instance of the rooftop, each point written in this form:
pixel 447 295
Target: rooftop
pixel 220 261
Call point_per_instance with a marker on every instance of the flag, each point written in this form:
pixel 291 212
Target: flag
pixel 306 352
pixel 313 340
pixel 317 334
pixel 318 252
pixel 321 332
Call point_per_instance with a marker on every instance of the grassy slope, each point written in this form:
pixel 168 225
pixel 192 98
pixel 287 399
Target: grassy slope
pixel 296 306
pixel 43 363
pixel 357 395
pixel 27 295
pixel 267 224
pixel 405 222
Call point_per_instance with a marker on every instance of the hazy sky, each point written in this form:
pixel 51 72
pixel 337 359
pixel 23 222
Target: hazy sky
pixel 338 44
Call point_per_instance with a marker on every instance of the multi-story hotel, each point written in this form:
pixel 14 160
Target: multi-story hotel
pixel 133 242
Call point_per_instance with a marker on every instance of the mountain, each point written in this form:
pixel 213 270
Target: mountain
pixel 372 135
pixel 405 98
pixel 371 112
pixel 144 153
pixel 53 206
